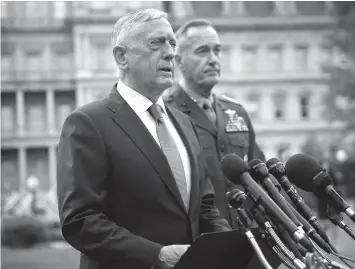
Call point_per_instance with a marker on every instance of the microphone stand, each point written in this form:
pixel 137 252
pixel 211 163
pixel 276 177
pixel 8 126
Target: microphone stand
pixel 260 218
pixel 337 220
pixel 250 236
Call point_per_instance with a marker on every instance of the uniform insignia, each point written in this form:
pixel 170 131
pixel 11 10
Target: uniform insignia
pixel 235 122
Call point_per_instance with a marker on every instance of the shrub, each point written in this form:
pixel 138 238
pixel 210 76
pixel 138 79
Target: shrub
pixel 22 232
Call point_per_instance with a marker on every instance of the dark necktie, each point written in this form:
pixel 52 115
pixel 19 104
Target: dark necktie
pixel 207 108
pixel 171 151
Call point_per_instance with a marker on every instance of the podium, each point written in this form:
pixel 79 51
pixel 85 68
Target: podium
pixel 226 250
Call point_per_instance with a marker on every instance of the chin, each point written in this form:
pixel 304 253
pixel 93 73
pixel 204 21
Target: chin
pixel 165 83
pixel 211 81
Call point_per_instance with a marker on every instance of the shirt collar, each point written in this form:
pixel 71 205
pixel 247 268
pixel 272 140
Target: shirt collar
pixel 138 102
pixel 198 99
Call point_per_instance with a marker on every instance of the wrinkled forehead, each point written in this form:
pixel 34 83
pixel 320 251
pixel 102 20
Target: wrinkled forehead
pixel 202 35
pixel 156 27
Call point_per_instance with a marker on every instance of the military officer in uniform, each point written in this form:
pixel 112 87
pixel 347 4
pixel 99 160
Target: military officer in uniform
pixel 223 124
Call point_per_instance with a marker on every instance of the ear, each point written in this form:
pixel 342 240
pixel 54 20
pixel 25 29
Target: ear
pixel 120 55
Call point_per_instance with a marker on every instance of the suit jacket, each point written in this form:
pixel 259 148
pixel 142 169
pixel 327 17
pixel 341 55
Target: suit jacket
pixel 118 200
pixel 217 142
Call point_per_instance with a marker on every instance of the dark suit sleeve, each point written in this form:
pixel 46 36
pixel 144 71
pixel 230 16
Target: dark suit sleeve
pixel 210 219
pixel 82 187
pixel 258 153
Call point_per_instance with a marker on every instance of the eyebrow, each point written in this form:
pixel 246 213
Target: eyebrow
pixel 161 36
pixel 207 46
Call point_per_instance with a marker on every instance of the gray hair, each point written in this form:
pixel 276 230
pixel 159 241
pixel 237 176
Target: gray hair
pixel 124 26
pixel 181 33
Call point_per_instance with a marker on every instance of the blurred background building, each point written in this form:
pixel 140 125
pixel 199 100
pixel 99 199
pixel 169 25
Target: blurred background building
pixel 56 56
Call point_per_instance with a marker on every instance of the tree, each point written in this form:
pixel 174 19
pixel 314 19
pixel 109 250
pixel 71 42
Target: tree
pixel 340 100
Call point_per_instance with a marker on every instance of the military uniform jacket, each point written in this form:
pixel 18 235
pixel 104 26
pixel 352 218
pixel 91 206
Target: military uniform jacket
pixel 233 134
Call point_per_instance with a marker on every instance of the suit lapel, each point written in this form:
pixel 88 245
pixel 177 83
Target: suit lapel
pixel 130 123
pixel 182 126
pixel 190 108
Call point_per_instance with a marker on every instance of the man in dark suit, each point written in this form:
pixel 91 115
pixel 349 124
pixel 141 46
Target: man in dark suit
pixel 132 187
pixel 223 124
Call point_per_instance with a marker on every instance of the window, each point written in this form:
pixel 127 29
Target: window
pixel 327 56
pixel 207 8
pixel 36 119
pixel 9 172
pixel 279 105
pixel 63 111
pixel 259 8
pixel 37 166
pixel 35 9
pixel 7 118
pixel 305 106
pixel 34 60
pixel 6 66
pixel 226 59
pixel 285 7
pixel 102 57
pixel 310 7
pixel 253 101
pixel 4 9
pixel 59 9
pixel 275 58
pixel 283 152
pixel 249 56
pixel 301 57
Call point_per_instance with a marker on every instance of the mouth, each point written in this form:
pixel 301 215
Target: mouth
pixel 212 71
pixel 166 69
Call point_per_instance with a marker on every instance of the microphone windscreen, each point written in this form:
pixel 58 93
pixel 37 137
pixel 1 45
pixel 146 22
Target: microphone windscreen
pixel 301 169
pixel 254 162
pixel 233 167
pixel 271 162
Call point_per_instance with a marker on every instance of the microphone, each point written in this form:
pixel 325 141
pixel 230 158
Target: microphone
pixel 277 169
pixel 337 220
pixel 259 172
pixel 237 171
pixel 258 213
pixel 236 198
pixel 305 172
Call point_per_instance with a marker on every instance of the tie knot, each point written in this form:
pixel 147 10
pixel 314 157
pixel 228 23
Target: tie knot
pixel 206 104
pixel 155 111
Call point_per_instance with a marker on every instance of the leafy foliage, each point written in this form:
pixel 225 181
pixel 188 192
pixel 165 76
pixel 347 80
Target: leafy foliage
pixel 340 99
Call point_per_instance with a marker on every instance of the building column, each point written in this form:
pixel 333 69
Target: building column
pixel 20 112
pixel 293 106
pixel 50 109
pixel 267 113
pixel 52 166
pixel 22 161
pixel 288 56
pixel 226 7
pixel 85 52
pixel 240 7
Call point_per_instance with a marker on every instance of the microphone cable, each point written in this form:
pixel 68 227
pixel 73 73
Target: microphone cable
pixel 329 261
pixel 243 223
pixel 337 220
pixel 260 218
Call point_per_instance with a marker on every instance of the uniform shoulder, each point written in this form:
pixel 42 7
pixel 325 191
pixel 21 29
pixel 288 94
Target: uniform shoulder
pixel 229 100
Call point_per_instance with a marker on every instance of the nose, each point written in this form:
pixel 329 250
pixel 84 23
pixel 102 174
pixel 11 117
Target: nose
pixel 169 52
pixel 212 58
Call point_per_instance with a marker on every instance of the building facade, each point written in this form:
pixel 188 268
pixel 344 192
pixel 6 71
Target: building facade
pixel 56 56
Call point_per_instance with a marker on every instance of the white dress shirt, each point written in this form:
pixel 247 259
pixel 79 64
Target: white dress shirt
pixel 140 105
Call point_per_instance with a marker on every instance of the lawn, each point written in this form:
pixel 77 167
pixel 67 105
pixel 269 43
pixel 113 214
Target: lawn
pixel 39 258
